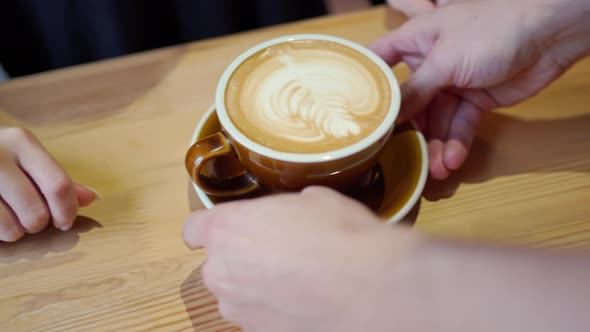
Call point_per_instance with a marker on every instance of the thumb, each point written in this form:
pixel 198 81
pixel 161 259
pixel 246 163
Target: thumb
pixel 413 38
pixel 86 195
pixel 419 90
pixel 416 39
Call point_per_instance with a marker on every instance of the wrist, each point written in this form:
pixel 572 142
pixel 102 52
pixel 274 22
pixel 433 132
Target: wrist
pixel 394 261
pixel 563 29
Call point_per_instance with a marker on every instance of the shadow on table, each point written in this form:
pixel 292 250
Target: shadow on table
pixel 508 146
pixel 51 240
pixel 105 91
pixel 201 305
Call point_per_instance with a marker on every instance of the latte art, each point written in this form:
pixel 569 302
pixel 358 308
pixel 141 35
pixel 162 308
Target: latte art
pixel 307 96
pixel 312 100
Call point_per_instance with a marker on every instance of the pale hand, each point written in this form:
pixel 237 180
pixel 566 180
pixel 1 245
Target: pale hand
pixel 473 56
pixel 314 261
pixel 34 189
pixel 412 8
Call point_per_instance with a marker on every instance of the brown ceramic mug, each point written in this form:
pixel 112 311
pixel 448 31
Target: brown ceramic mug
pixel 263 166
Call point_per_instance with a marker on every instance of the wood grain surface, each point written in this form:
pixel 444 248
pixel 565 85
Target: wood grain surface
pixel 123 127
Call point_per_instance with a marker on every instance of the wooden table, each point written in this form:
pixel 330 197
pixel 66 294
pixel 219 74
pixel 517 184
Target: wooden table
pixel 123 127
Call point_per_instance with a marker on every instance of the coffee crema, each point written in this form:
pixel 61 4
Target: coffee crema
pixel 308 96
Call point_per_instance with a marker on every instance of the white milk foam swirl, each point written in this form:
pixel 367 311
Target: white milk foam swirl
pixel 312 95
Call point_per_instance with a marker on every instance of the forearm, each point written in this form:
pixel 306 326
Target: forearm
pixel 458 287
pixel 453 287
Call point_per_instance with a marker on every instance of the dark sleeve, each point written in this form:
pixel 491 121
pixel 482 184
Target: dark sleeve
pixel 22 49
pixel 39 35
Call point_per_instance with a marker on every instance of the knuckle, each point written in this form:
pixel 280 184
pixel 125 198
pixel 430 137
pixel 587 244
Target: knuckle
pixel 19 134
pixel 222 221
pixel 37 221
pixel 438 66
pixel 61 186
pixel 209 235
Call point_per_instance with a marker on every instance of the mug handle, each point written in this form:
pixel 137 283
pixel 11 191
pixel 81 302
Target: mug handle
pixel 208 149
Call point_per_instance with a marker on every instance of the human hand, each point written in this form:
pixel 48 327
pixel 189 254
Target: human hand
pixel 34 189
pixel 474 56
pixel 411 8
pixel 315 261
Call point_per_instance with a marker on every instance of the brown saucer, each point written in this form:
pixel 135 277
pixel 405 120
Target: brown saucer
pixel 390 190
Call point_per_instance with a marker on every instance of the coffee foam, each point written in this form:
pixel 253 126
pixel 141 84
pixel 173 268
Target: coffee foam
pixel 308 96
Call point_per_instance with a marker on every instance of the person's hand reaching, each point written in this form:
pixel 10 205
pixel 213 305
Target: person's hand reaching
pixel 411 8
pixel 473 56
pixel 34 189
pixel 299 262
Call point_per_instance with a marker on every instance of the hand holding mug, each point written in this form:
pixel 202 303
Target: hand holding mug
pixel 475 56
pixel 411 8
pixel 299 262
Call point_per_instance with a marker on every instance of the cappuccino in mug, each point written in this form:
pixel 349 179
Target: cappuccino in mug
pixel 308 96
pixel 297 111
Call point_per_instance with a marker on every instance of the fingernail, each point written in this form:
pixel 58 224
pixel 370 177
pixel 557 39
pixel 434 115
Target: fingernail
pixel 98 195
pixel 66 228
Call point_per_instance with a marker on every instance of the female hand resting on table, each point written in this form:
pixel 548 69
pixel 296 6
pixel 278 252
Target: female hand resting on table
pixel 34 189
pixel 317 261
pixel 476 55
